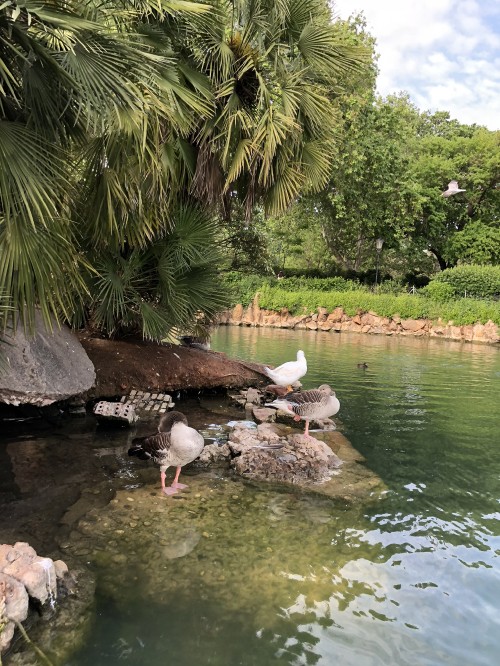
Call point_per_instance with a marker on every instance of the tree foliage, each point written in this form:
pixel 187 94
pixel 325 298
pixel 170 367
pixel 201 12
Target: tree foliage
pixel 370 194
pixel 121 123
pixel 389 170
pixel 463 227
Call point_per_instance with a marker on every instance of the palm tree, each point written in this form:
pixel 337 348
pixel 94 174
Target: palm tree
pixel 116 117
pixel 164 287
pixel 272 66
pixel 78 82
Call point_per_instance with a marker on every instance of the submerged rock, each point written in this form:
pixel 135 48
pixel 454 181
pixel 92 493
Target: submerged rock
pixel 222 539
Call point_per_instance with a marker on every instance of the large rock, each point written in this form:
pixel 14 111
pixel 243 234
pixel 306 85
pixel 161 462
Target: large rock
pixel 45 368
pixel 37 574
pixel 299 460
pixel 24 576
pixel 122 366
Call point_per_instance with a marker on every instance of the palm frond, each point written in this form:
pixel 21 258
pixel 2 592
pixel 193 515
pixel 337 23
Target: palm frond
pixel 32 176
pixel 288 179
pixel 40 267
pixel 316 163
pixel 319 47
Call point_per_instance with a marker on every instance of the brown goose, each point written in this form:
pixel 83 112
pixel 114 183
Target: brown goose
pixel 320 403
pixel 175 444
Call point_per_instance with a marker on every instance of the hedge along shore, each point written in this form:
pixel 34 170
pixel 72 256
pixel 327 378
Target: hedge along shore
pixel 362 322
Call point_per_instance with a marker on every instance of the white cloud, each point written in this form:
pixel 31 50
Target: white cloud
pixel 444 53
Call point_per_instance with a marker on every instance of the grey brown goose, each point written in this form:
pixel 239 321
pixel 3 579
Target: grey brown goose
pixel 175 445
pixel 320 403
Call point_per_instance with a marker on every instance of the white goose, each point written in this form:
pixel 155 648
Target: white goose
pixel 320 403
pixel 175 444
pixel 290 372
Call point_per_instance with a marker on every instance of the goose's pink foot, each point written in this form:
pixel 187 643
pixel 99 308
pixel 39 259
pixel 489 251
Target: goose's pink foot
pixel 175 486
pixel 175 483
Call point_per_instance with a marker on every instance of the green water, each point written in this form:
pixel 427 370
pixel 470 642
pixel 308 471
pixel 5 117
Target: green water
pixel 239 573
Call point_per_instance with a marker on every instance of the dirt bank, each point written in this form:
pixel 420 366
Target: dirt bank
pixel 124 365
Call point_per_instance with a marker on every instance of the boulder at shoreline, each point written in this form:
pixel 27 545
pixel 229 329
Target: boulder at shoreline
pixel 45 368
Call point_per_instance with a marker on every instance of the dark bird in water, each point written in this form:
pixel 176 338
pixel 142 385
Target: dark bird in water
pixel 175 445
pixel 288 373
pixel 320 403
pixel 195 341
pixel 452 189
pixel 363 365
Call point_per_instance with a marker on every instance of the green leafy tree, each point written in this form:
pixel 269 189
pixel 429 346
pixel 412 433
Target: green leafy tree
pixel 463 227
pixel 244 244
pixel 370 193
pixel 477 243
pixel 295 241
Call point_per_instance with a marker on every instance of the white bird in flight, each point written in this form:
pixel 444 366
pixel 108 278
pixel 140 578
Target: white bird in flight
pixel 452 189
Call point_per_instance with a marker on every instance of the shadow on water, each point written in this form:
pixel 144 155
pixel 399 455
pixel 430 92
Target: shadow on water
pixel 232 572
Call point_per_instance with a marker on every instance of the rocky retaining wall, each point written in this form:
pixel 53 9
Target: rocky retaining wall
pixel 362 322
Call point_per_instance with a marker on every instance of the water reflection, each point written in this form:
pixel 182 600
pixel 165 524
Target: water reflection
pixel 240 573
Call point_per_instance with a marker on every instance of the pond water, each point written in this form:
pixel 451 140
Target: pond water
pixel 240 573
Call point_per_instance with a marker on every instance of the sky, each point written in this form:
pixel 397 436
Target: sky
pixel 444 53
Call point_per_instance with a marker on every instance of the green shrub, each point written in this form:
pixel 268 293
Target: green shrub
pixel 242 288
pixel 470 311
pixel 437 300
pixel 318 284
pixel 391 287
pixel 478 281
pixel 439 291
